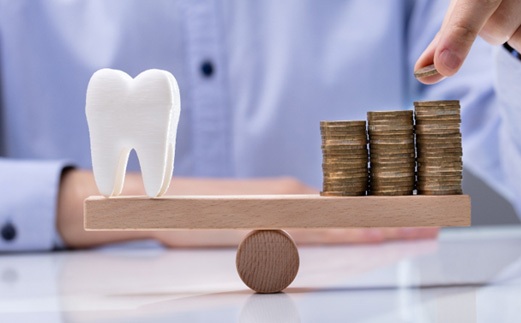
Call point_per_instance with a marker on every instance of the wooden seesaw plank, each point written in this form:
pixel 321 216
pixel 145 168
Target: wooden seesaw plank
pixel 274 212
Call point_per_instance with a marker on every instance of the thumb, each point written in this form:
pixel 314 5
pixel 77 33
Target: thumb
pixel 465 19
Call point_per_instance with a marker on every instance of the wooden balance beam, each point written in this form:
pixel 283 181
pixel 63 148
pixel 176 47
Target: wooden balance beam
pixel 267 259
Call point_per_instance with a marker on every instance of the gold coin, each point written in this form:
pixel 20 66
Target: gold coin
pixel 422 141
pixel 436 165
pixel 392 175
pixel 456 119
pixel 394 134
pixel 402 172
pixel 338 129
pixel 345 175
pixel 391 192
pixel 431 178
pixel 341 165
pixel 346 192
pixel 341 162
pixel 346 181
pixel 405 161
pixel 440 177
pixel 440 159
pixel 442 192
pixel 437 126
pixel 389 114
pixel 382 185
pixel 340 193
pixel 389 123
pixel 383 157
pixel 450 166
pixel 408 136
pixel 392 141
pixel 356 152
pixel 325 134
pixel 437 170
pixel 344 184
pixel 390 128
pixel 437 132
pixel 344 140
pixel 352 123
pixel 337 188
pixel 340 157
pixel 436 110
pixel 438 137
pixel 436 103
pixel 426 71
pixel 396 182
pixel 344 189
pixel 436 146
pixel 438 186
pixel 432 151
pixel 390 150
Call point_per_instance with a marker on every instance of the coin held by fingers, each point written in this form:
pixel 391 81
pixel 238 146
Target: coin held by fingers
pixel 426 71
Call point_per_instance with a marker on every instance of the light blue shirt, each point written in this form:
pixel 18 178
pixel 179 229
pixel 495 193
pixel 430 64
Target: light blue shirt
pixel 279 67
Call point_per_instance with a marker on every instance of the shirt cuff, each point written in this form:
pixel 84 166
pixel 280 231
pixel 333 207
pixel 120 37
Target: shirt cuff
pixel 28 203
pixel 507 86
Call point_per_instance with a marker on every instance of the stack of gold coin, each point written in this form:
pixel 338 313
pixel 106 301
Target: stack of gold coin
pixel 344 148
pixel 439 150
pixel 392 153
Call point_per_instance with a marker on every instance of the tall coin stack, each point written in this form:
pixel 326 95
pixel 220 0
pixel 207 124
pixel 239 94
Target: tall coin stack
pixel 438 140
pixel 344 148
pixel 392 153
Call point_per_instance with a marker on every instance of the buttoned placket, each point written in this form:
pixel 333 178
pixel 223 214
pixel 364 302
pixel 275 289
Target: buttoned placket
pixel 207 95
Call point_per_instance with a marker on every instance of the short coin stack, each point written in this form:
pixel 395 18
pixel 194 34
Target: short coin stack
pixel 344 148
pixel 439 150
pixel 392 153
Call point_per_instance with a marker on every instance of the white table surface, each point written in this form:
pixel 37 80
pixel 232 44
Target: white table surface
pixel 468 275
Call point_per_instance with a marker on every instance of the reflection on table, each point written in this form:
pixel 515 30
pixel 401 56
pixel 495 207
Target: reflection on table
pixel 467 274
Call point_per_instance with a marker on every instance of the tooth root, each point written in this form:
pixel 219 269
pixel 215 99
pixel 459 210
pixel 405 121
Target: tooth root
pixel 109 165
pixel 152 160
pixel 169 169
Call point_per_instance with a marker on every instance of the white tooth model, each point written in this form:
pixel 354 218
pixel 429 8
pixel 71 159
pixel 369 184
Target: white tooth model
pixel 124 114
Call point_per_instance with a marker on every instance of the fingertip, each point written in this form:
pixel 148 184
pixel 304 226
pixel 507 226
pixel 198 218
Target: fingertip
pixel 429 233
pixel 374 235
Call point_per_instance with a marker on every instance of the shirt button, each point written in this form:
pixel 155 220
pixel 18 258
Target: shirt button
pixel 207 68
pixel 8 232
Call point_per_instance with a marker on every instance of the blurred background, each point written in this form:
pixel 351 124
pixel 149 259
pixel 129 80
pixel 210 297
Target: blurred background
pixel 488 207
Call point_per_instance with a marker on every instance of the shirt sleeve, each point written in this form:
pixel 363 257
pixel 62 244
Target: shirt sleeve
pixel 508 89
pixel 28 199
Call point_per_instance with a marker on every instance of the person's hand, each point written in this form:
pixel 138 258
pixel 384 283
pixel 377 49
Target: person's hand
pixel 77 185
pixel 496 21
pixel 231 238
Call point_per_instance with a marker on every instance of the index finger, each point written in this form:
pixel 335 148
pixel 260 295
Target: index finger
pixel 459 31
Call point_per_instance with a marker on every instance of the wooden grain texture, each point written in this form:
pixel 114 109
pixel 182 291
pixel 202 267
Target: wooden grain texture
pixel 274 212
pixel 267 260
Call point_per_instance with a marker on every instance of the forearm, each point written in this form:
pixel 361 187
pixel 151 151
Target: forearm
pixel 76 185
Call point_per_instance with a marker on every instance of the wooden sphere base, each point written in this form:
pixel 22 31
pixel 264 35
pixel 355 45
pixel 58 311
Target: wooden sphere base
pixel 267 260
